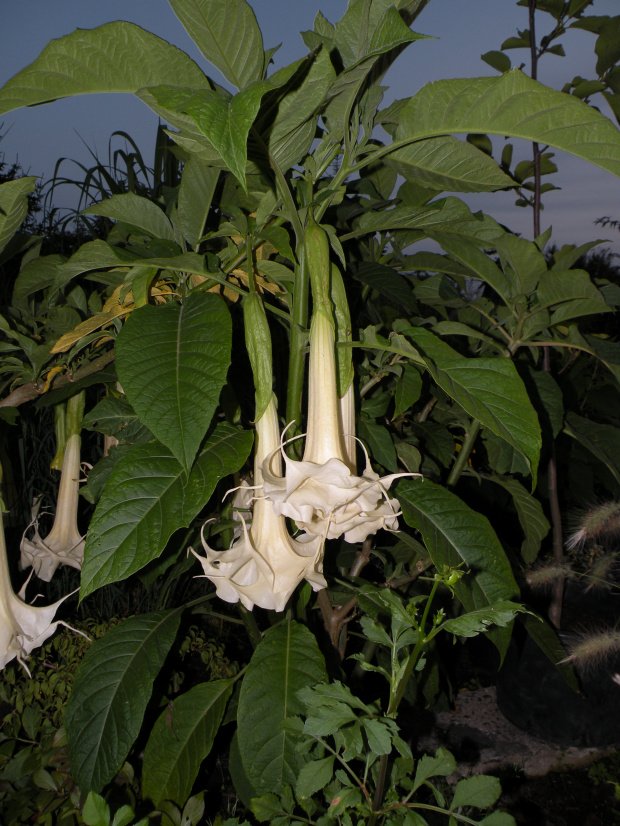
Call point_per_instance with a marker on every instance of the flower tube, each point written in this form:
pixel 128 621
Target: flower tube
pixel 23 627
pixel 64 545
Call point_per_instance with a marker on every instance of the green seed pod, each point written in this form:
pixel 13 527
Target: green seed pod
pixel 258 343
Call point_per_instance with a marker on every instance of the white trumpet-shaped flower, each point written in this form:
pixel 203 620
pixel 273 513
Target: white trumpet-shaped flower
pixel 322 493
pixel 264 564
pixel 63 545
pixel 23 627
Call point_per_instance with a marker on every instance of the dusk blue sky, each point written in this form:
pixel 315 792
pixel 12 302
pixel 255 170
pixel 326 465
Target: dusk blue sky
pixel 464 28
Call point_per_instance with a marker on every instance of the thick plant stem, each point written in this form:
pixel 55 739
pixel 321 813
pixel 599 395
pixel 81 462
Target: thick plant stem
pixel 464 453
pixel 555 606
pixel 249 621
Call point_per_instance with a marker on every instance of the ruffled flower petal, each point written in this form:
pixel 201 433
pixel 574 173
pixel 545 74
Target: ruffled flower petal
pixel 322 493
pixel 264 565
pixel 23 627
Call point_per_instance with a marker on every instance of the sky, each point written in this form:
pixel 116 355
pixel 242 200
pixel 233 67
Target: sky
pixel 39 136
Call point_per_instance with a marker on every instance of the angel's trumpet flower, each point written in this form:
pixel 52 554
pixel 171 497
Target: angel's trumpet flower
pixel 265 564
pixel 64 545
pixel 322 493
pixel 23 627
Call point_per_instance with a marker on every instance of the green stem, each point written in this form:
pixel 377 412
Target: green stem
pixel 251 626
pixel 415 654
pixel 464 453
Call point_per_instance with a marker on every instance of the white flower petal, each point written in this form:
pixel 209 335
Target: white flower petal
pixel 264 565
pixel 23 627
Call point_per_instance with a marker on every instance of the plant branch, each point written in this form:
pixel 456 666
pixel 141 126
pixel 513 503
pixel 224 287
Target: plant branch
pixel 27 392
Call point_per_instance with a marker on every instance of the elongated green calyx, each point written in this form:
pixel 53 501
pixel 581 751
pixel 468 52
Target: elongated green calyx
pixel 258 344
pixel 60 416
pixel 316 246
pixel 344 354
pixel 75 414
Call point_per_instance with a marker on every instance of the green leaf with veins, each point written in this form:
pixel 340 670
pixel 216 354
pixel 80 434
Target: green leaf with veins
pixel 148 497
pixel 115 57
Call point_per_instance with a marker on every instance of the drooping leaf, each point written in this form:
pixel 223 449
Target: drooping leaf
pixel 511 105
pixel 408 390
pixel 227 34
pixel 602 440
pixel 224 122
pixel 181 739
pixel 287 659
pixel 147 498
pixel 532 519
pixel 293 128
pixel 135 211
pixel 112 687
pixel 195 194
pixel 387 282
pixel 13 206
pixel 455 535
pixel 115 57
pixel 172 362
pixel 491 391
pixel 523 263
pixel 570 294
pixel 466 251
pixel 476 622
pixel 116 417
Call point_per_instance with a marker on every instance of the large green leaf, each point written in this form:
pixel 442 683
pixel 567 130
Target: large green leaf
pixel 195 194
pixel 147 498
pixel 294 126
pixel 534 523
pixel 287 660
pixel 522 262
pixel 138 212
pixel 450 165
pixel 172 362
pixel 227 34
pixel 181 739
pixel 571 294
pixel 456 535
pixel 448 215
pixel 511 105
pixel 224 122
pixel 602 440
pixel 387 282
pixel 490 390
pixel 116 417
pixel 115 57
pixel 466 251
pixel 13 206
pixel 110 693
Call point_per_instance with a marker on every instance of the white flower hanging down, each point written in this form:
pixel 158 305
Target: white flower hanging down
pixel 264 564
pixel 322 493
pixel 23 627
pixel 63 545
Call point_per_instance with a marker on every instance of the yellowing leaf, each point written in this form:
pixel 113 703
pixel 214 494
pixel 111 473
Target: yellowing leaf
pixel 111 310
